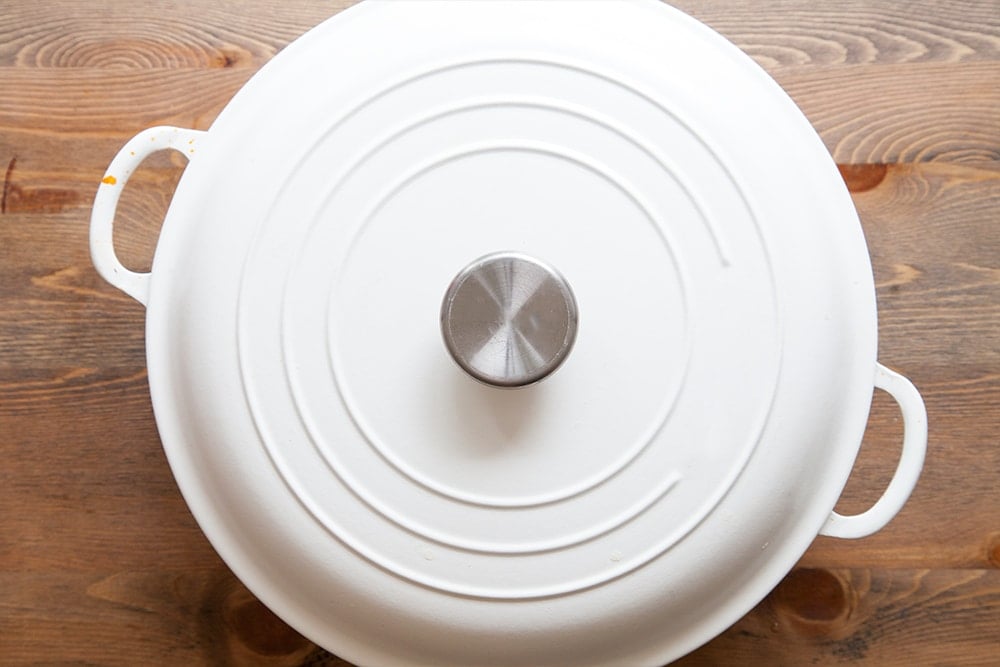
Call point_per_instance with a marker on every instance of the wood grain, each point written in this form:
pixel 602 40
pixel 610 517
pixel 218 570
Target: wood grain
pixel 881 114
pixel 820 616
pixel 191 617
pixel 815 616
pixel 102 563
pixel 121 34
pixel 799 34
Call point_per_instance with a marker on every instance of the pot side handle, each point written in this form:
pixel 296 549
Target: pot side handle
pixel 102 217
pixel 911 460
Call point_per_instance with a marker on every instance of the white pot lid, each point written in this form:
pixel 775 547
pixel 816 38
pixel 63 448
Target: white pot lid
pixel 713 361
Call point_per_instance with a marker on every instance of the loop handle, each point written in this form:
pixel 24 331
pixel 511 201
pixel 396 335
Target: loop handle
pixel 911 460
pixel 102 217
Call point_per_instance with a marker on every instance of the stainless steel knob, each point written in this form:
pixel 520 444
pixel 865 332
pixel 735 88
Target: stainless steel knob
pixel 508 319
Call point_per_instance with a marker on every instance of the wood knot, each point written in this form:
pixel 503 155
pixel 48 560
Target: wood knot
pixel 993 550
pixel 813 600
pixel 862 177
pixel 227 59
pixel 262 632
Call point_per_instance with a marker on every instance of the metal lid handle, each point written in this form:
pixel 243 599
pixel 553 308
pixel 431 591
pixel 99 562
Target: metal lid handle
pixel 509 320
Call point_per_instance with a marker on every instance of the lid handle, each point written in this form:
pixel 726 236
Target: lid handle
pixel 911 460
pixel 508 319
pixel 102 217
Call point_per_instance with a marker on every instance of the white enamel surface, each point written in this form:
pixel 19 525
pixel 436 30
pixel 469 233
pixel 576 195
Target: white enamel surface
pixel 626 509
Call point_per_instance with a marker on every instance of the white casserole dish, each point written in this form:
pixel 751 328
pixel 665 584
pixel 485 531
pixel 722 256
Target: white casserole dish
pixel 626 509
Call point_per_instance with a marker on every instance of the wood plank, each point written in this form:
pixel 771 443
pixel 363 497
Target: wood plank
pixel 101 102
pixel 129 617
pixel 866 617
pixel 815 616
pixel 881 114
pixel 781 34
pixel 936 265
pixel 122 34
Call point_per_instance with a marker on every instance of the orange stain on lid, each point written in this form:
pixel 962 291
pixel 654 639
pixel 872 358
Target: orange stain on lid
pixel 109 179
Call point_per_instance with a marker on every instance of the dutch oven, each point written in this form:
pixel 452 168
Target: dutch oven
pixel 501 333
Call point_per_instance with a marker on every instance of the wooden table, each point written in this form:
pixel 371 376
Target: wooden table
pixel 100 560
